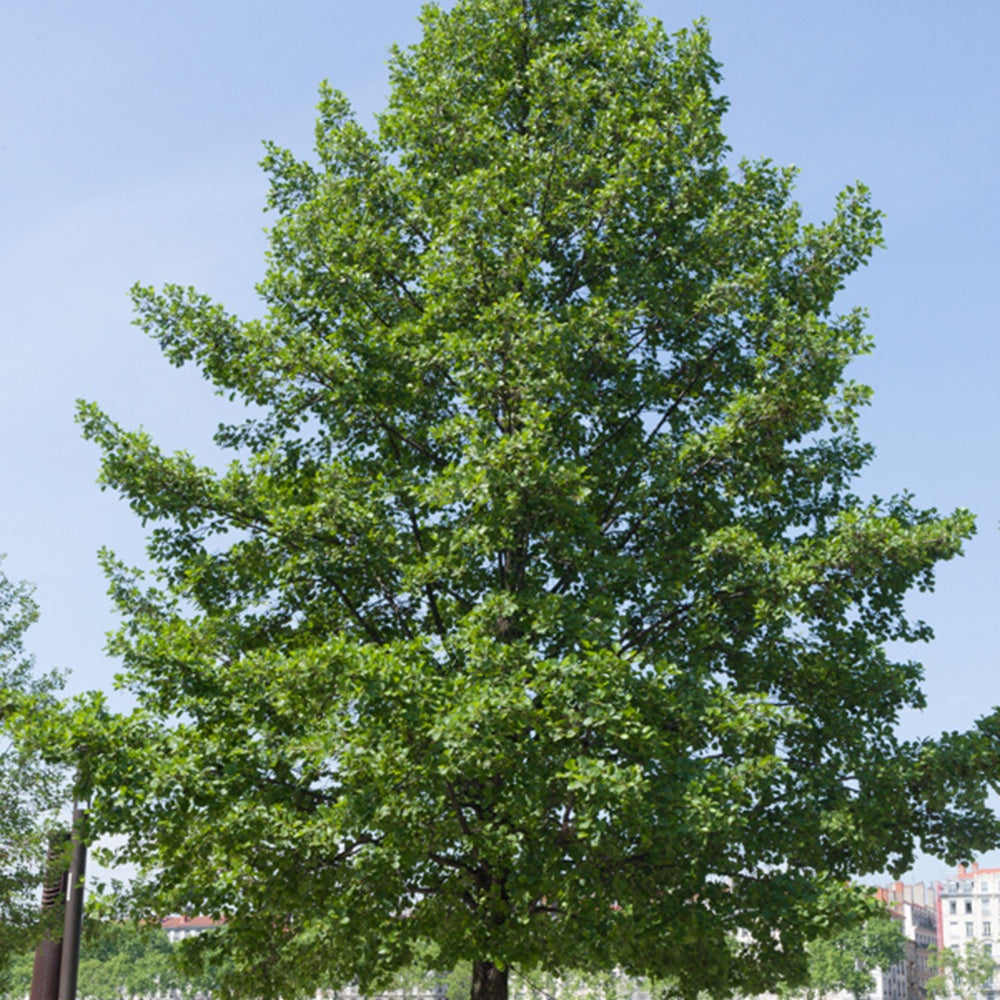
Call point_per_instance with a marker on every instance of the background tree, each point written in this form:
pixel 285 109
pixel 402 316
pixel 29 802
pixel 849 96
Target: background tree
pixel 535 616
pixel 966 974
pixel 28 787
pixel 849 960
pixel 121 960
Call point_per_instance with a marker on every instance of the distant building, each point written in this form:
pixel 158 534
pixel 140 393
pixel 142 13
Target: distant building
pixel 179 928
pixel 916 907
pixel 969 911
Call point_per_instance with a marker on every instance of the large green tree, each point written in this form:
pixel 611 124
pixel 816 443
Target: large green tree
pixel 535 616
pixel 29 788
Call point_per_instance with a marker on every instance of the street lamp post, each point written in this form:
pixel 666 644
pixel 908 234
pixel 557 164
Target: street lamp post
pixel 57 958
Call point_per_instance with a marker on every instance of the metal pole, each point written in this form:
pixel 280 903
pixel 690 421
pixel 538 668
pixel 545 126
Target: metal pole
pixel 48 954
pixel 70 959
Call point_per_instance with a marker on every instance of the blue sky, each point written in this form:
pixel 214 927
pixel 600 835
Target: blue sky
pixel 131 133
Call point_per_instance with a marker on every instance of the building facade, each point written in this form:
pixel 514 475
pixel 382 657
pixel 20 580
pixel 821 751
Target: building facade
pixel 916 907
pixel 969 915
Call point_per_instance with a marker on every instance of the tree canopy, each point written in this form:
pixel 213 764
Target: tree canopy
pixel 536 616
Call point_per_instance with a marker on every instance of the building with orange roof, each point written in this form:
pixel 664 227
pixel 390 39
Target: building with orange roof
pixel 179 928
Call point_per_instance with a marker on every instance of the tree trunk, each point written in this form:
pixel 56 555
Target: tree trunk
pixel 488 982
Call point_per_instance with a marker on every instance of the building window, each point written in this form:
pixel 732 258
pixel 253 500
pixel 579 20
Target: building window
pixel 986 905
pixel 987 929
pixel 968 906
pixel 952 906
pixel 970 929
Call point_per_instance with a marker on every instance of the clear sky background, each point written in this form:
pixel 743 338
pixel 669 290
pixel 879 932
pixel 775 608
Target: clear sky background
pixel 129 137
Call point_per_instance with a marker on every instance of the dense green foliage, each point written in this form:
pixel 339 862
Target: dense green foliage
pixel 28 788
pixel 536 615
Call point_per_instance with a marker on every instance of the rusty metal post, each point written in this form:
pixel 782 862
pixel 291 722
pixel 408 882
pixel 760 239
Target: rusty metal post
pixel 69 963
pixel 48 954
